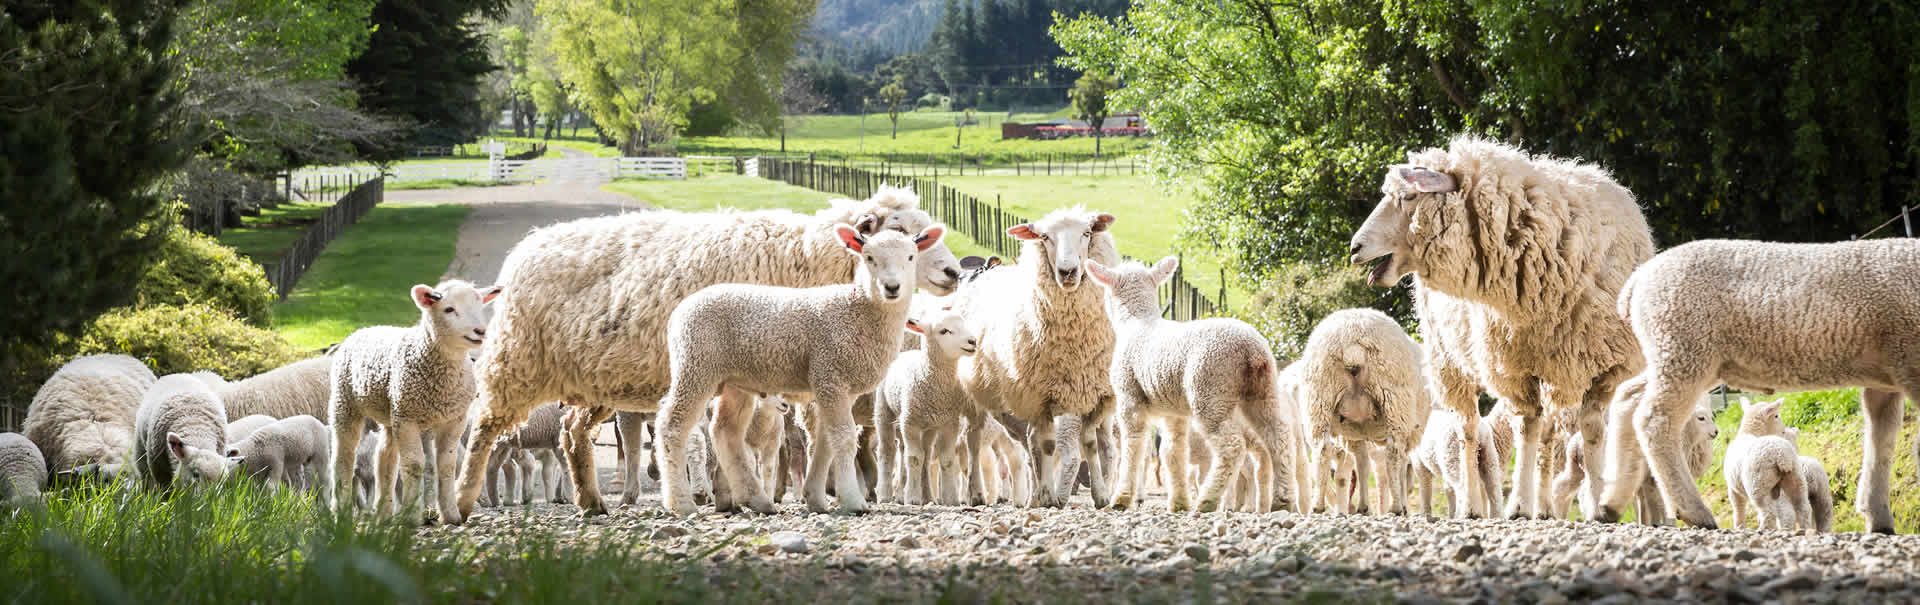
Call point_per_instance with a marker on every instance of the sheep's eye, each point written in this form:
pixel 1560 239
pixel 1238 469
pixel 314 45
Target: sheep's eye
pixel 1089 233
pixel 909 258
pixel 945 332
pixel 449 309
pixel 869 258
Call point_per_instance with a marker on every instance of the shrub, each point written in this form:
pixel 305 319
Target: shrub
pixel 193 268
pixel 187 338
pixel 1297 296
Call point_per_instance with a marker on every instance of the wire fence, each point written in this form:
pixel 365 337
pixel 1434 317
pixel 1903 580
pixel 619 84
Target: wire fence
pixel 986 223
pixel 351 201
pixel 969 164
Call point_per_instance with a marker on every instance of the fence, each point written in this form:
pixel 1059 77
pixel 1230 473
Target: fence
pixel 515 170
pixel 986 223
pixel 963 164
pixel 347 209
pixel 1905 218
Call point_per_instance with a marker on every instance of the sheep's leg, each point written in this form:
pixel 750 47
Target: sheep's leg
pixel 1458 392
pixel 1883 412
pixel 1362 470
pixel 1396 455
pixel 576 444
pixel 491 495
pixel 496 417
pixel 1226 438
pixel 525 458
pixel 1066 433
pixel 1572 476
pixel 1095 445
pixel 446 463
pixel 982 480
pixel 627 428
pixel 1592 424
pixel 840 446
pixel 1527 440
pixel 1424 480
pixel 1489 472
pixel 1663 411
pixel 402 472
pixel 680 414
pixel 887 457
pixel 940 459
pixel 1624 468
pixel 1179 495
pixel 730 422
pixel 1046 462
pixel 1133 452
pixel 1271 436
pixel 338 476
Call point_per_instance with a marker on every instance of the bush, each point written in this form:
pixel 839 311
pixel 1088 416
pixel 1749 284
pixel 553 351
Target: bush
pixel 187 338
pixel 193 268
pixel 1299 295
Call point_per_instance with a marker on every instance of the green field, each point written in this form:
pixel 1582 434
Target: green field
pixel 920 132
pixel 362 278
pixel 746 193
pixel 266 237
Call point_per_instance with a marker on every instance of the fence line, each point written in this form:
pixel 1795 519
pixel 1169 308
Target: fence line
pixel 347 209
pixel 986 223
pixel 515 170
pixel 1904 218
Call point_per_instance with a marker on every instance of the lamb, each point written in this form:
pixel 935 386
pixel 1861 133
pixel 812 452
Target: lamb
pixel 1362 382
pixel 180 432
pixel 1516 263
pixel 84 414
pixel 1046 347
pixel 1819 493
pixel 238 430
pixel 1766 317
pixel 586 318
pixel 1763 468
pixel 22 470
pixel 411 380
pixel 765 433
pixel 1217 372
pixel 834 342
pixel 920 407
pixel 364 466
pixel 1434 458
pixel 287 452
pixel 291 390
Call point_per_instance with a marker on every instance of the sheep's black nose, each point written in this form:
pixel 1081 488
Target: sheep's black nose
pixel 971 342
pixel 893 290
pixel 1354 249
pixel 1067 274
pixel 953 273
pixel 480 331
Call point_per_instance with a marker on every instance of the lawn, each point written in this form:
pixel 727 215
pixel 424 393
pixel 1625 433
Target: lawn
pixel 920 132
pixel 746 193
pixel 266 237
pixel 362 278
pixel 586 144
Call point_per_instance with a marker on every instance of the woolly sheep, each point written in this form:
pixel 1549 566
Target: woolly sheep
pixel 238 430
pixel 22 470
pixel 1516 263
pixel 412 380
pixel 1766 317
pixel 287 452
pixel 1762 468
pixel 585 318
pixel 1362 382
pixel 919 409
pixel 1819 493
pixel 833 342
pixel 538 439
pixel 301 387
pixel 180 433
pixel 84 414
pixel 1046 347
pixel 1218 372
pixel 765 434
pixel 1434 458
pixel 365 470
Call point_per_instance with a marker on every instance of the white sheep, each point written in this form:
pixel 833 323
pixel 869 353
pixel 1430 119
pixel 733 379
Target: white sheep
pixel 1362 381
pixel 22 470
pixel 365 466
pixel 301 387
pixel 920 409
pixel 1819 494
pixel 1434 457
pixel 1762 468
pixel 412 380
pixel 1766 317
pixel 180 433
pixel 1046 347
pixel 238 430
pixel 539 439
pixel 585 317
pixel 1217 372
pixel 765 435
pixel 287 452
pixel 1516 263
pixel 84 414
pixel 833 342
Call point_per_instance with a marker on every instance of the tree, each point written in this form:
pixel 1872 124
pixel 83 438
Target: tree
pixel 88 126
pixel 893 94
pixel 1090 103
pixel 797 98
pixel 423 63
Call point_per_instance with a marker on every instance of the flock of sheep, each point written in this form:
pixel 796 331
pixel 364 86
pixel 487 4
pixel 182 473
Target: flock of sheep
pixel 767 351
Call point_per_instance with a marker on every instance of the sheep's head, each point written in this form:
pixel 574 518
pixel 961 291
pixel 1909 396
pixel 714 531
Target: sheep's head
pixel 1132 288
pixel 888 259
pixel 1385 238
pixel 194 464
pixel 457 311
pixel 945 331
pixel 1065 237
pixel 939 271
pixel 258 468
pixel 1704 428
pixel 1762 418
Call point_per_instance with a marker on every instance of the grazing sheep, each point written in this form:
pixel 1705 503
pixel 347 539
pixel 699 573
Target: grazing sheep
pixel 585 319
pixel 287 452
pixel 83 415
pixel 22 470
pixel 1219 373
pixel 833 342
pixel 1767 317
pixel 301 387
pixel 1046 347
pixel 180 433
pixel 411 380
pixel 1819 494
pixel 1516 263
pixel 1762 468
pixel 1362 382
pixel 238 430
pixel 1434 457
pixel 920 408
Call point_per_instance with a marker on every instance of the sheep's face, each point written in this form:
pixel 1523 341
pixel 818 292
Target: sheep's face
pixel 946 331
pixel 195 465
pixel 1762 418
pixel 457 311
pixel 888 259
pixel 1385 237
pixel 1703 424
pixel 939 271
pixel 1066 237
pixel 1132 288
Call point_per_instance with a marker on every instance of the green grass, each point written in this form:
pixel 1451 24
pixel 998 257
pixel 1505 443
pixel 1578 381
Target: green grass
pixel 920 132
pixel 266 237
pixel 362 278
pixel 747 193
pixel 1831 431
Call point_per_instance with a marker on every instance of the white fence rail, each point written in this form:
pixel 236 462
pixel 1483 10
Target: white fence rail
pixel 520 170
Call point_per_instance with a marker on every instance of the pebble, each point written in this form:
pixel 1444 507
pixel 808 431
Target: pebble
pixel 788 541
pixel 1197 553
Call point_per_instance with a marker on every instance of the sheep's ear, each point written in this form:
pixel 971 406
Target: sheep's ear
pixel 175 445
pixel 1746 404
pixel 490 293
pixel 1023 231
pixel 914 326
pixel 233 452
pixel 1163 270
pixel 930 236
pixel 424 296
pixel 867 224
pixel 1101 221
pixel 994 261
pixel 1426 180
pixel 850 238
pixel 1100 274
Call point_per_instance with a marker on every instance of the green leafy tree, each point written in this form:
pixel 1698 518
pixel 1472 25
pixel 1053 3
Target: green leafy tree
pixel 894 94
pixel 1090 102
pixel 423 63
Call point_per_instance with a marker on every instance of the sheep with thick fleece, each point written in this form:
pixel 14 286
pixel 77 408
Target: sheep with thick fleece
pixel 287 452
pixel 301 387
pixel 1516 261
pixel 585 317
pixel 1362 381
pixel 22 470
pixel 1766 317
pixel 1434 457
pixel 920 408
pixel 180 433
pixel 1217 372
pixel 833 342
pixel 238 430
pixel 1762 468
pixel 1046 347
pixel 1819 494
pixel 83 415
pixel 411 380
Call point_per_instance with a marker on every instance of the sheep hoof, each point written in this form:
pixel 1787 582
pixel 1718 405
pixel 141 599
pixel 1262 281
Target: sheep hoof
pixel 1207 506
pixel 1607 515
pixel 1888 529
pixel 1121 503
pixel 763 506
pixel 1519 516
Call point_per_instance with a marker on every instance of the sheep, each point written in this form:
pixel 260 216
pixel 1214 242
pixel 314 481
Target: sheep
pixel 365 469
pixel 538 438
pixel 630 429
pixel 919 408
pixel 1046 347
pixel 290 451
pixel 301 387
pixel 1698 436
pixel 1762 467
pixel 1010 457
pixel 1217 372
pixel 180 433
pixel 585 320
pixel 22 470
pixel 84 414
pixel 834 342
pixel 412 380
pixel 1766 317
pixel 239 429
pixel 1362 381
pixel 765 434
pixel 1516 263
pixel 1819 493
pixel 1433 457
